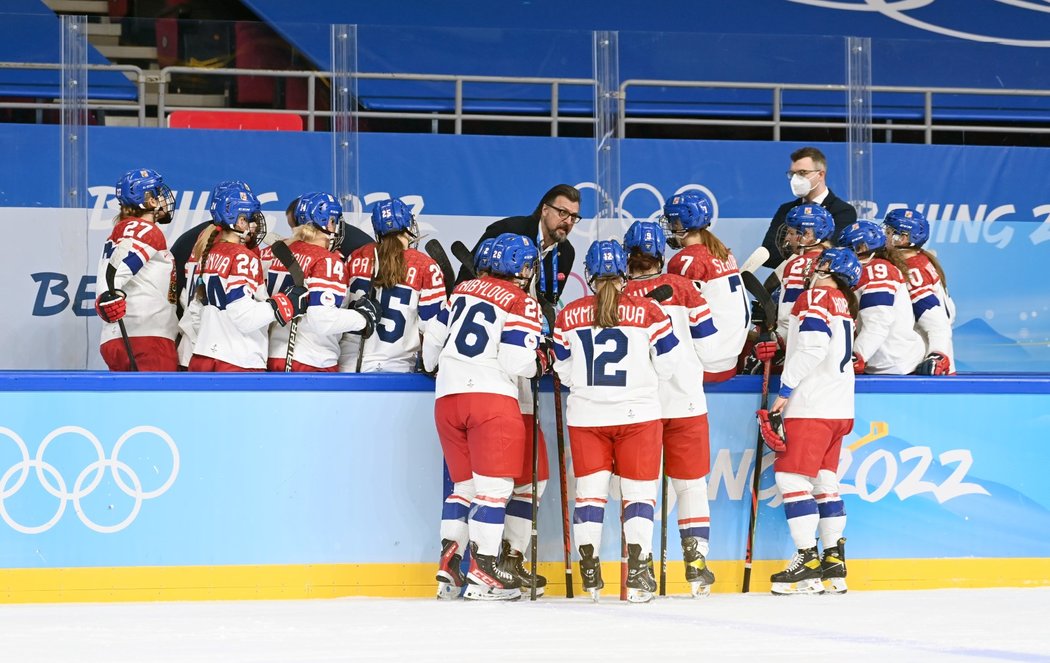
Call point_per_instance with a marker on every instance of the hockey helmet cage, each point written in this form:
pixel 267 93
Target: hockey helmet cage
pixel 133 188
pixel 910 222
pixel 839 260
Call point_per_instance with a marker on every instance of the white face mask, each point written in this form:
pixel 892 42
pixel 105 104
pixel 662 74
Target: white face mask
pixel 800 186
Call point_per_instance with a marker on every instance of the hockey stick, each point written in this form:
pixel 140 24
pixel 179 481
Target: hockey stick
pixel 284 255
pixel 111 277
pixel 660 293
pixel 437 252
pixel 663 531
pixel 534 538
pixel 465 257
pixel 623 549
pixel 769 308
pixel 559 423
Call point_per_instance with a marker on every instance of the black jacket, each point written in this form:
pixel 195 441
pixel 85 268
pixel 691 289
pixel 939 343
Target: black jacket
pixel 843 213
pixel 529 226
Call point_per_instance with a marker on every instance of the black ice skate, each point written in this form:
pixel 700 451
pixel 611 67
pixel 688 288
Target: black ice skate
pixel 640 581
pixel 591 571
pixel 699 577
pixel 487 580
pixel 802 576
pixel 514 563
pixel 450 575
pixel 833 568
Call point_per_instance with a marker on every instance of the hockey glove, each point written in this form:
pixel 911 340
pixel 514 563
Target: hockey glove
pixel 289 304
pixel 766 347
pixel 543 360
pixel 771 427
pixel 935 364
pixel 370 311
pixel 859 364
pixel 111 305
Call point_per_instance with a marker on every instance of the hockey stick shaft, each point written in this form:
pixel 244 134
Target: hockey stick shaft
pixel 284 255
pixel 755 482
pixel 534 542
pixel 111 278
pixel 437 253
pixel 663 531
pixel 563 482
pixel 465 257
pixel 623 549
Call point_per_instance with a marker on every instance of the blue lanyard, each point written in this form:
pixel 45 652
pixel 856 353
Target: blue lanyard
pixel 554 266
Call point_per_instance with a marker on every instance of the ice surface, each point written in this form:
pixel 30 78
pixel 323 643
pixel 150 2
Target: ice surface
pixel 933 625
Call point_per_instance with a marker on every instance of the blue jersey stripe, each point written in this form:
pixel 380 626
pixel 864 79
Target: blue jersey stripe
pixel 133 261
pixel 704 329
pixel 791 294
pixel 814 324
pixel 925 304
pixel 514 337
pixel 667 343
pixel 428 311
pixel 870 299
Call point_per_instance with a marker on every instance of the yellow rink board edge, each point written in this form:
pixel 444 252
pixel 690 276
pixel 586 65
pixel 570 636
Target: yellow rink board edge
pixel 301 581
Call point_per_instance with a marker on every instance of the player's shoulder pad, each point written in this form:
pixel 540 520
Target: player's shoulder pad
pixel 360 261
pixel 153 237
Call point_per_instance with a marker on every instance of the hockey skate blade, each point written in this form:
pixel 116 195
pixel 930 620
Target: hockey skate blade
pixel 639 595
pixel 481 593
pixel 448 592
pixel 699 590
pixel 595 593
pixel 811 586
pixel 835 586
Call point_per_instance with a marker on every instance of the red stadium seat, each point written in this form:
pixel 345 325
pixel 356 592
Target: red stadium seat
pixel 253 121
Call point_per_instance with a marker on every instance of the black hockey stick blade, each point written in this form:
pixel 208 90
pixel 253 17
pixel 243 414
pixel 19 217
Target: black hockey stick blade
pixel 761 295
pixel 111 278
pixel 465 257
pixel 437 252
pixel 660 293
pixel 285 256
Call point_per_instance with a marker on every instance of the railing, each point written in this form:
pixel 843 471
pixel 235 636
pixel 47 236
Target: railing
pixel 459 111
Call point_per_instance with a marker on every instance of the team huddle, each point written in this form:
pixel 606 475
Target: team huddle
pixel 634 355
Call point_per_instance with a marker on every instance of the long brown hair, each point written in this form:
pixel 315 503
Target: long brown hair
pixel 392 268
pixel 639 263
pixel 607 301
pixel 713 244
pixel 201 249
pixel 892 254
pixel 936 265
pixel 847 292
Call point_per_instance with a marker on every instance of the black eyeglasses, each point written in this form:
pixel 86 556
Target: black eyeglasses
pixel 564 213
pixel 804 173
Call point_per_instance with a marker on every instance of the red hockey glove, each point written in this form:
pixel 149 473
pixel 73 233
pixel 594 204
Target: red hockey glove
pixel 766 350
pixel 289 304
pixel 935 364
pixel 543 360
pixel 858 364
pixel 111 305
pixel 771 427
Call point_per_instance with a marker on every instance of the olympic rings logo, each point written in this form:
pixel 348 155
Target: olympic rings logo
pixel 86 482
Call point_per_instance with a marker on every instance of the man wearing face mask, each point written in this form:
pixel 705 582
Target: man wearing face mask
pixel 807 176
pixel 548 226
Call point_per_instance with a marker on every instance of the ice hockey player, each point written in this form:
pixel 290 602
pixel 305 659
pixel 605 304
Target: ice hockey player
pixel 815 405
pixel 612 350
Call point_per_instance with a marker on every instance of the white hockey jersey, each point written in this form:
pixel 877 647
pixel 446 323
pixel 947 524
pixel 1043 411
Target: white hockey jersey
pixel 819 361
pixel 407 309
pixel 683 394
pixel 613 373
pixel 325 320
pixel 886 336
pixel 932 307
pixel 484 340
pixel 235 319
pixel 139 252
pixel 720 284
pixel 793 284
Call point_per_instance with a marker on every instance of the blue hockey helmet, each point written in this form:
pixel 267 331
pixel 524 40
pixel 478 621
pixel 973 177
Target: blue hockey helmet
pixel 690 208
pixel 145 189
pixel 646 237
pixel 909 222
pixel 839 260
pixel 811 216
pixel 512 254
pixel 605 257
pixel 483 256
pixel 863 233
pixel 234 203
pixel 223 186
pixel 318 209
pixel 393 216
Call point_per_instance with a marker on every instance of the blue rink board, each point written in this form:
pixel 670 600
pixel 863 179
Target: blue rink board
pixel 347 469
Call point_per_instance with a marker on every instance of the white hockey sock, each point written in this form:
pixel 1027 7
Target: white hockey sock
pixel 454 514
pixel 592 493
pixel 488 512
pixel 694 511
pixel 799 507
pixel 830 507
pixel 518 527
pixel 639 504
